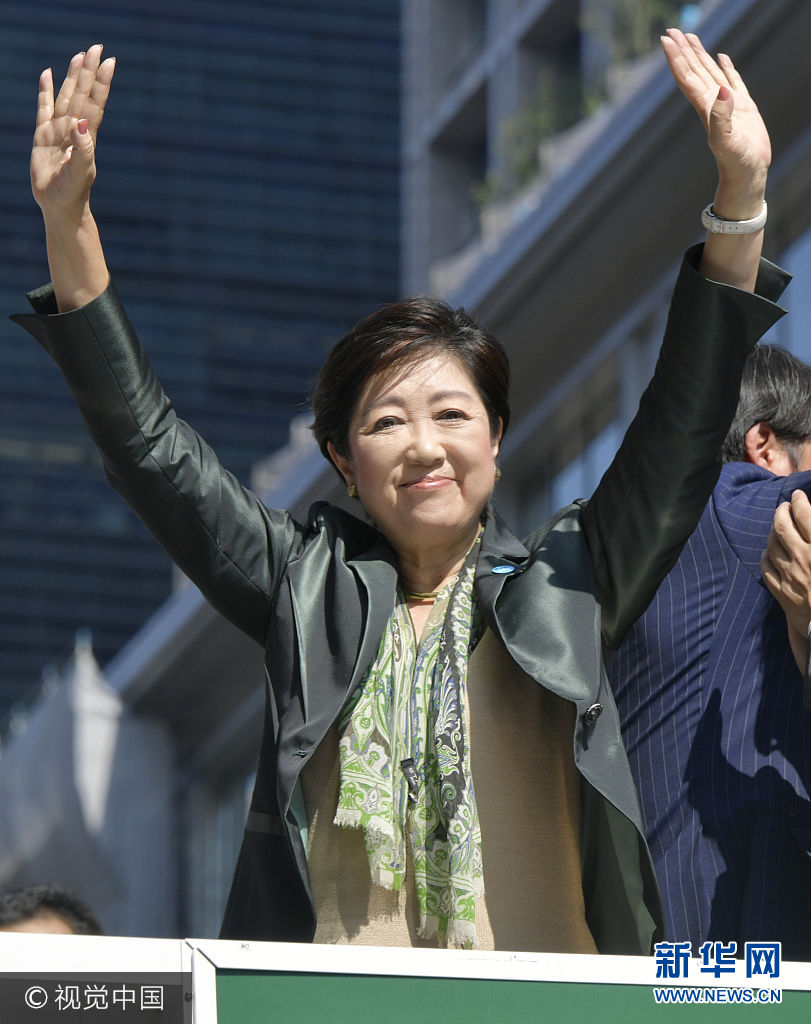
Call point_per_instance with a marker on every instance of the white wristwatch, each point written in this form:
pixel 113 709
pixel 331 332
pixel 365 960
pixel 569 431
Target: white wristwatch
pixel 718 226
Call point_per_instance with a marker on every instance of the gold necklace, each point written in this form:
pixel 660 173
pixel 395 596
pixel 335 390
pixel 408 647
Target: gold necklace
pixel 430 595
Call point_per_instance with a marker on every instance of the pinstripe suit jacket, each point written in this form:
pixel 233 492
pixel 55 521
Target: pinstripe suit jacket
pixel 710 700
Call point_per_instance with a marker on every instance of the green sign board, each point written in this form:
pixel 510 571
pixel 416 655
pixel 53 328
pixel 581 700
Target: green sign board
pixel 244 997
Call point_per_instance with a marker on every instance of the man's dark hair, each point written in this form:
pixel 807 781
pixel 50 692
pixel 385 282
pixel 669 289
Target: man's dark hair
pixel 388 340
pixel 775 389
pixel 22 904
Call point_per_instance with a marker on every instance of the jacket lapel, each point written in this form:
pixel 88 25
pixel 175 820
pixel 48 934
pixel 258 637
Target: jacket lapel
pixel 502 557
pixel 377 571
pixel 539 599
pixel 341 597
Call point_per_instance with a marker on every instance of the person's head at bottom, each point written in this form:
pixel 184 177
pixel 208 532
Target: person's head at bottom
pixel 47 909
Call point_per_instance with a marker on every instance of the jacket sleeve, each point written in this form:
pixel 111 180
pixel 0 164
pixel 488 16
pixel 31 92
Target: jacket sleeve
pixel 652 495
pixel 219 533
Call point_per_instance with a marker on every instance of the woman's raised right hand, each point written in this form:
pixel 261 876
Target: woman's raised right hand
pixel 63 165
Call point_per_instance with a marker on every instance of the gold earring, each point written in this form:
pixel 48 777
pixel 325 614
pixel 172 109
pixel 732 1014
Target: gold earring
pixel 497 473
pixel 352 491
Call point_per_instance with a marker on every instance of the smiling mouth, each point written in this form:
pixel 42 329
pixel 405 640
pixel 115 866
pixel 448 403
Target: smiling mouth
pixel 427 483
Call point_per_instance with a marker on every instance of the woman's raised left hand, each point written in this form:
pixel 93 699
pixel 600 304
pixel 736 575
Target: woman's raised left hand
pixel 735 130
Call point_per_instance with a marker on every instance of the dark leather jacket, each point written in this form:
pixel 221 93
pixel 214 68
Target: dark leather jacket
pixel 317 595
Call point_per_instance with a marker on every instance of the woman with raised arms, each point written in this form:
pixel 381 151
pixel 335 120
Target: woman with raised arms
pixel 441 762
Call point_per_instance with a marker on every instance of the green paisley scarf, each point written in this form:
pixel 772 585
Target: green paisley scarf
pixel 405 765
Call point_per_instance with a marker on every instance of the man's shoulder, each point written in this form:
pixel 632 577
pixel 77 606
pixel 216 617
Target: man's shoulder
pixel 743 505
pixel 742 485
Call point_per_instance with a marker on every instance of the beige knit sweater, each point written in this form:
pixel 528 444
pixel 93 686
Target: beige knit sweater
pixel 528 797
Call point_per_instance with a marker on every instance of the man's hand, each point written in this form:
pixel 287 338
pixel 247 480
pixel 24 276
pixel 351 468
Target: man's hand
pixel 786 569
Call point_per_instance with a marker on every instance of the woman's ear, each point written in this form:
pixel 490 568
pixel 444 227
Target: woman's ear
pixel 343 463
pixel 496 442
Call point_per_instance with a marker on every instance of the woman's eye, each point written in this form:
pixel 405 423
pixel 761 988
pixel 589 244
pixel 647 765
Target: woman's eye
pixel 384 423
pixel 452 414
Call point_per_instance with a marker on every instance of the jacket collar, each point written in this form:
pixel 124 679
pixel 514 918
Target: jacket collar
pixel 501 549
pixel 499 542
pixel 502 556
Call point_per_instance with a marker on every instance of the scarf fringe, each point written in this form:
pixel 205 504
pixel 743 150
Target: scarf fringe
pixel 462 935
pixel 376 827
pixel 459 934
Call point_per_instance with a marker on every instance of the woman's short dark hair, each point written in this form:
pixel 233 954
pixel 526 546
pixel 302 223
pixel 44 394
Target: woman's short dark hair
pixel 775 389
pixel 386 341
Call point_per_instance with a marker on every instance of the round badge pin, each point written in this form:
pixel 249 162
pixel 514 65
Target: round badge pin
pixel 503 569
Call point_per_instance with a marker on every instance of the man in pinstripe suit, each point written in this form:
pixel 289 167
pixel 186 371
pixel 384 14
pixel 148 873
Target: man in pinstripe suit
pixel 711 698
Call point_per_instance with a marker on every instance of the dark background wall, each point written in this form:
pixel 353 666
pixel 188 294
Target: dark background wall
pixel 248 200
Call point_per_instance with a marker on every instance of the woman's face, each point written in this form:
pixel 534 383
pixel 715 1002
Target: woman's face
pixel 421 454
